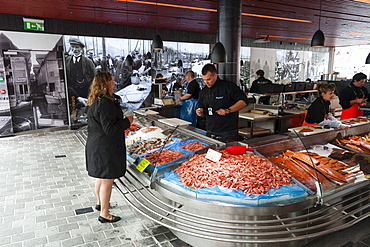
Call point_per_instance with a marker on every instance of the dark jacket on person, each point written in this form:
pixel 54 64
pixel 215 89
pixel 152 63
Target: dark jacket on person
pixel 105 148
pixel 221 95
pixel 256 89
pixel 257 82
pixel 79 76
pixel 352 92
pixel 317 111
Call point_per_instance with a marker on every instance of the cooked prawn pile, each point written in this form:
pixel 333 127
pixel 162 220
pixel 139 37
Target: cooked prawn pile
pixel 247 172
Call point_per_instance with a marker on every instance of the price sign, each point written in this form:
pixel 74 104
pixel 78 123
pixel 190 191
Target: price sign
pixel 142 165
pixel 213 155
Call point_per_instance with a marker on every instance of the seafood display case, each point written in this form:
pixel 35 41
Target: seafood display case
pixel 283 191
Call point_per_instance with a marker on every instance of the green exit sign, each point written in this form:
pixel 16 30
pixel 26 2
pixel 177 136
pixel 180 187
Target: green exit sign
pixel 1 78
pixel 33 24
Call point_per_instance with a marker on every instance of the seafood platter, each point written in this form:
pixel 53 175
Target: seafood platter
pixel 319 163
pixel 310 130
pixel 356 143
pixel 160 150
pixel 247 179
pixel 310 167
pixel 173 153
pixel 355 121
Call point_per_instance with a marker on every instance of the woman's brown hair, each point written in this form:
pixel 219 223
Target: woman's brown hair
pixel 323 87
pixel 99 87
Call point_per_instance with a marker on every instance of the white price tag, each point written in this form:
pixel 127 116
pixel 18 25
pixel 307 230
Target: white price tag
pixel 213 155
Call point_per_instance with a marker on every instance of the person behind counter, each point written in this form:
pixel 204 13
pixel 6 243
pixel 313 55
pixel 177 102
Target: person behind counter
pixel 190 99
pixel 219 102
pixel 352 96
pixel 318 112
pixel 105 147
pixel 255 86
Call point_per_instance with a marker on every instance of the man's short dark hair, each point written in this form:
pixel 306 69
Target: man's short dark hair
pixel 359 77
pixel 190 73
pixel 260 72
pixel 209 68
pixel 159 75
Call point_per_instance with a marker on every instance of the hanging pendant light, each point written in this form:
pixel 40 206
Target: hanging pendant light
pixel 367 59
pixel 218 54
pixel 318 39
pixel 157 43
pixel 129 61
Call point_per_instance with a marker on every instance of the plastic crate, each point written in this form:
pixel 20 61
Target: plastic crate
pixel 289 88
pixel 299 86
pixel 309 86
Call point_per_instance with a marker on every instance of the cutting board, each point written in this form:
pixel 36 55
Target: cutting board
pixel 259 111
pixel 315 129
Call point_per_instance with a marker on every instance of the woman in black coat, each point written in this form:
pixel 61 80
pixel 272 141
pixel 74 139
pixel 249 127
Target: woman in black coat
pixel 105 147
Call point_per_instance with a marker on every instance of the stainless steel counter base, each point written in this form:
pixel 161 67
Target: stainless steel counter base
pixel 210 223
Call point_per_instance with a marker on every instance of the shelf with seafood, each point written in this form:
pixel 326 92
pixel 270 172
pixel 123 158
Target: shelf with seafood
pixel 231 194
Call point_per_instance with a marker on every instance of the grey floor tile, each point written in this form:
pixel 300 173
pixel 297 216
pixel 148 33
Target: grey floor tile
pixel 41 193
pixel 59 236
pixel 68 227
pixel 10 232
pixel 73 242
pixel 92 244
pixel 145 242
pixel 166 244
pixel 35 242
pixel 14 245
pixel 161 238
pixel 109 242
pixel 93 237
pixel 5 240
pixel 22 237
pixel 179 243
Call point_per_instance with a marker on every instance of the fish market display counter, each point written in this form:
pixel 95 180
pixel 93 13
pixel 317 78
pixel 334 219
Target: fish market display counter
pixel 289 216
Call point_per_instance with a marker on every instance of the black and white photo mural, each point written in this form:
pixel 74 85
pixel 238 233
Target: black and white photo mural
pixel 296 66
pixel 245 61
pixel 85 56
pixel 262 59
pixel 32 81
pixel 176 58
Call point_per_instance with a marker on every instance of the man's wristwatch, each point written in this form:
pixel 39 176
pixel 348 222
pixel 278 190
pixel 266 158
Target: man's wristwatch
pixel 229 110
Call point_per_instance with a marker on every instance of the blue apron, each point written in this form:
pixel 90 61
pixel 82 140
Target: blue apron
pixel 188 109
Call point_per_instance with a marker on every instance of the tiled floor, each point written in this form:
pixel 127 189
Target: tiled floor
pixel 44 181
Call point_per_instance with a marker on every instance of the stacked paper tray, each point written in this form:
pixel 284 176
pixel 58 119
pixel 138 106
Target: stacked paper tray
pixel 310 130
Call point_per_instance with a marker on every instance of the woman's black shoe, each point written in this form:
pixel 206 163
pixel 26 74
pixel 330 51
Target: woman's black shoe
pixel 98 207
pixel 104 220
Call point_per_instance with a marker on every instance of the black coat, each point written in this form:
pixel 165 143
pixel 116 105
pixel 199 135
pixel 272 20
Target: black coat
pixel 105 148
pixel 317 111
